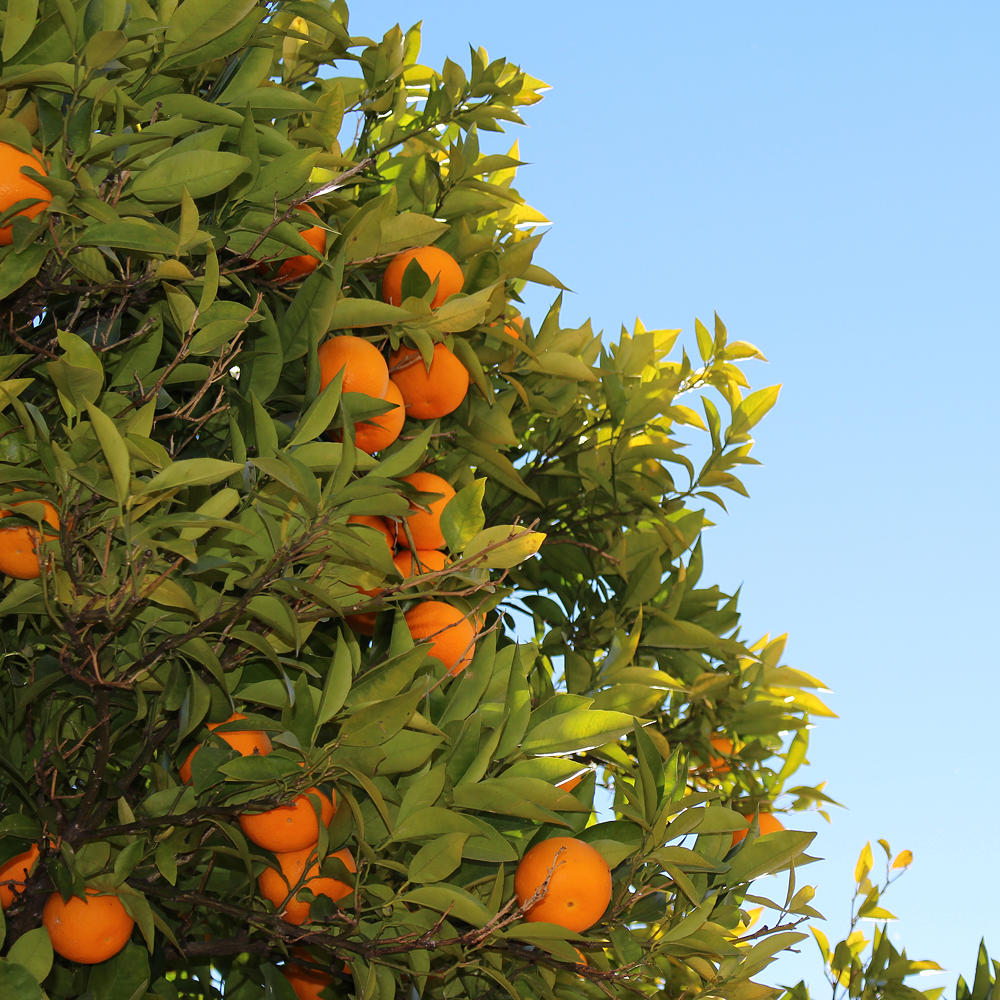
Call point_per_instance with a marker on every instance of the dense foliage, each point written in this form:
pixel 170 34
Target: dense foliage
pixel 161 388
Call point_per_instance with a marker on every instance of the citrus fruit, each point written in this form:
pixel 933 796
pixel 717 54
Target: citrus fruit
pixel 15 872
pixel 578 891
pixel 16 186
pixel 768 823
pixel 291 827
pixel 87 930
pixel 307 984
pixel 450 633
pixel 245 742
pixel 429 392
pixel 570 783
pixel 724 747
pixel 293 268
pixel 363 366
pixel 364 621
pixel 434 262
pixel 380 432
pixel 276 884
pixel 425 523
pixel 514 327
pixel 19 545
pixel 422 561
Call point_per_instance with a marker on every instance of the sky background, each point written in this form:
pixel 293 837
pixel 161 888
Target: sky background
pixel 825 178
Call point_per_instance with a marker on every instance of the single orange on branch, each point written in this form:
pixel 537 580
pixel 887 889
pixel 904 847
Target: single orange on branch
pixel 579 883
pixel 306 983
pixel 379 432
pixel 15 872
pixel 364 621
pixel 767 823
pixel 245 742
pixel 19 545
pixel 417 563
pixel 364 368
pixel 15 186
pixel 87 930
pixel 424 523
pixel 302 265
pixel 290 827
pixel 429 392
pixel 437 264
pixel 723 746
pixel 451 635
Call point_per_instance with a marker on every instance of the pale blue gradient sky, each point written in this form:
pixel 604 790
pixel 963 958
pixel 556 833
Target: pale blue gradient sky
pixel 825 178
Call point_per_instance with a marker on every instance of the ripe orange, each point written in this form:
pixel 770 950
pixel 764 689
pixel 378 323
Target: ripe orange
pixel 293 268
pixel 451 635
pixel 14 873
pixel 275 884
pixel 579 890
pixel 19 546
pixel 724 746
pixel 380 432
pixel 425 524
pixel 87 930
pixel 434 262
pixel 245 742
pixel 291 827
pixel 16 186
pixel 416 563
pixel 429 392
pixel 364 621
pixel 364 367
pixel 307 984
pixel 512 327
pixel 570 783
pixel 768 823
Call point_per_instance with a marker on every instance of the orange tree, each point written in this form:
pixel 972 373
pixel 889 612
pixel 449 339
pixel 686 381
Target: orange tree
pixel 310 542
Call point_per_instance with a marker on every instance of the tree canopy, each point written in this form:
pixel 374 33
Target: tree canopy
pixel 219 600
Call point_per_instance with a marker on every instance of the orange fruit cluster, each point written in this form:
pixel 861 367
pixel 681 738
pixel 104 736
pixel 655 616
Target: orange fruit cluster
pixel 364 371
pixel 579 883
pixel 451 634
pixel 299 870
pixel 291 832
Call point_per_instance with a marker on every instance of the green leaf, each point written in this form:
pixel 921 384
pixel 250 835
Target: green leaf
pixel 462 517
pixel 115 450
pixel 17 29
pixel 502 546
pixel 18 268
pixel 200 172
pixel 320 414
pixel 582 729
pixel 17 981
pixel 452 900
pixel 351 313
pixel 437 859
pixel 191 472
pixel 130 234
pixel 767 854
pixel 33 950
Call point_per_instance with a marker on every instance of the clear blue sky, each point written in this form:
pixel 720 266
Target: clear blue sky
pixel 825 178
